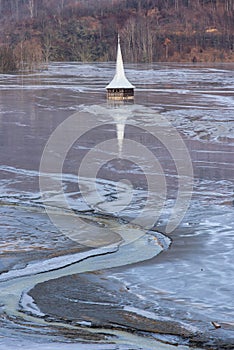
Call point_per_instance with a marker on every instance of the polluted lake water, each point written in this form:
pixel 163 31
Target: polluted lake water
pixel 117 220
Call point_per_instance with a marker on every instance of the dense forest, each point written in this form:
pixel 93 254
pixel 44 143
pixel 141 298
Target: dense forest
pixel 34 32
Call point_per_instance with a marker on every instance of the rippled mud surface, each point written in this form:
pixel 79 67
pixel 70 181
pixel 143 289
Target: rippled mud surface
pixel 117 285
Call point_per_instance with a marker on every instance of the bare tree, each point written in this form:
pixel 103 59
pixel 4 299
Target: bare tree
pixel 47 47
pixel 29 54
pixel 167 42
pixel 7 60
pixel 229 5
pixel 30 6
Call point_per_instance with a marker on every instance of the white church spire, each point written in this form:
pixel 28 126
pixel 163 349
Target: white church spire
pixel 119 81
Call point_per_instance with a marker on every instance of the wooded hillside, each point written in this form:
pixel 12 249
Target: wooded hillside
pixel 35 31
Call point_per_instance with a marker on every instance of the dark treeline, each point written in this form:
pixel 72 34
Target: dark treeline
pixel 36 31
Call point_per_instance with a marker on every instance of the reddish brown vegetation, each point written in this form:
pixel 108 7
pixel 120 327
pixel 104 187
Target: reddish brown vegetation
pixel 152 30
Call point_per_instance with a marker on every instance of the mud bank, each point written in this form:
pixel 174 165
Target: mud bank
pixel 92 301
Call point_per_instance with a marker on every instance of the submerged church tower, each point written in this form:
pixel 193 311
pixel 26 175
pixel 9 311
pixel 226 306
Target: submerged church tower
pixel 120 88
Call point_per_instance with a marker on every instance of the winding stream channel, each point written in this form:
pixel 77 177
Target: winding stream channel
pixel 15 284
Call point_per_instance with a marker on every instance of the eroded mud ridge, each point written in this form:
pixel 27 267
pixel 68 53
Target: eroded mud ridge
pixel 90 300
